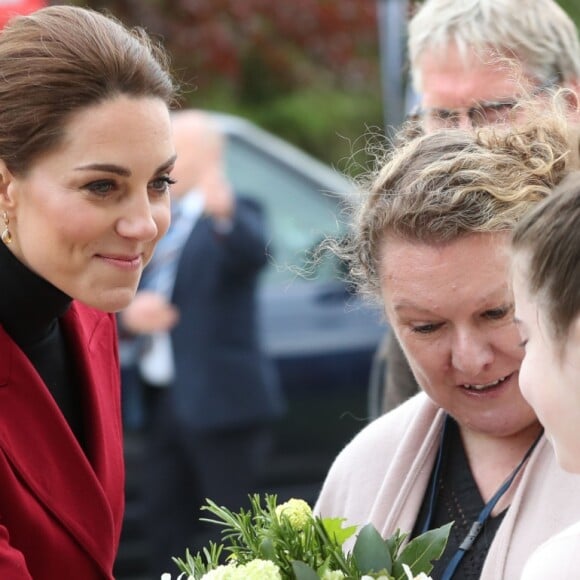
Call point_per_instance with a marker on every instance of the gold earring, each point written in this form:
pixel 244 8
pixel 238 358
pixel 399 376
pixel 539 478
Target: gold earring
pixel 6 235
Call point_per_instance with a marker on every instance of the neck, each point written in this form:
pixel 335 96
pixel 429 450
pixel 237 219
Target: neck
pixel 493 459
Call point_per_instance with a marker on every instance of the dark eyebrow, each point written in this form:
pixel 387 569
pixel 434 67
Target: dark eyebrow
pixel 169 163
pixel 106 167
pixel 122 171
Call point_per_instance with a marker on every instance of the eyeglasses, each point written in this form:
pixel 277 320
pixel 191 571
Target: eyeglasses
pixel 480 114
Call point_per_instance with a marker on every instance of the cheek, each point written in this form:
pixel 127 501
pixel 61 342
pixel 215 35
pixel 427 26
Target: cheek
pixel 161 217
pixel 427 357
pixel 507 341
pixel 531 380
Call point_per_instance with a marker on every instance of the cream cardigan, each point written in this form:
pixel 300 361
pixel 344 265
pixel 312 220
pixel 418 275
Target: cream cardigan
pixel 559 557
pixel 382 474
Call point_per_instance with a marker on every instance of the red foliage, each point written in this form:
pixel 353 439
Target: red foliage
pixel 10 8
pixel 276 44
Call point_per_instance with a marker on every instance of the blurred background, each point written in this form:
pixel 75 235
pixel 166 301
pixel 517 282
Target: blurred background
pixel 298 89
pixel 311 71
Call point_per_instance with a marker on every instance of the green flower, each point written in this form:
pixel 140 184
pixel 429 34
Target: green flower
pixel 297 512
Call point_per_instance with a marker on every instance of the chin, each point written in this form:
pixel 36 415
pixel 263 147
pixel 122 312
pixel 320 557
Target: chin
pixel 111 302
pixel 568 461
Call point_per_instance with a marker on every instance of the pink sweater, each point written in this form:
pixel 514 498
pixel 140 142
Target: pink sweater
pixel 382 474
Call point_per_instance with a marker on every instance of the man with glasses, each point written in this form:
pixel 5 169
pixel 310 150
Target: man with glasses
pixel 470 61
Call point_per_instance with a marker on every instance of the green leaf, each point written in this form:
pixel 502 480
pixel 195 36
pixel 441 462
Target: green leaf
pixel 421 551
pixel 303 572
pixel 371 552
pixel 334 529
pixel 394 543
pixel 267 549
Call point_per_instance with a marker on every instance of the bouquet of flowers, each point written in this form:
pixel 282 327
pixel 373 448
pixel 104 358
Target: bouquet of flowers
pixel 288 542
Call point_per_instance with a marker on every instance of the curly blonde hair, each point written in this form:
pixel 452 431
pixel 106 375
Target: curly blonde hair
pixel 439 187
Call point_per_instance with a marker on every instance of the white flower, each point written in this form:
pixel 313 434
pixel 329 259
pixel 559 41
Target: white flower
pixel 259 570
pixel 255 570
pixel 182 576
pixel 221 573
pixel 410 576
pixel 332 575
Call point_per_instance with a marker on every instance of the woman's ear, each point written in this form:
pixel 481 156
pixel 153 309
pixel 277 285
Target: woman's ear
pixel 7 200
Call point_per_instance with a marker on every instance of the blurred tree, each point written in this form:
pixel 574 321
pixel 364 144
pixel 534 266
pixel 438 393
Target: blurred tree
pixel 572 7
pixel 263 48
pixel 307 69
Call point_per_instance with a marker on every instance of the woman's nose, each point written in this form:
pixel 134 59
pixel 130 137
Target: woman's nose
pixel 138 221
pixel 471 353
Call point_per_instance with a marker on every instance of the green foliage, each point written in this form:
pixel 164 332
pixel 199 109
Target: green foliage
pixel 371 552
pixel 307 70
pixel 572 8
pixel 331 125
pixel 418 555
pixel 302 546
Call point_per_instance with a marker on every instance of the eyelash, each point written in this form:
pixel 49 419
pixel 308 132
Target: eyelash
pixel 426 328
pixel 494 314
pixel 96 187
pixel 497 313
pixel 166 180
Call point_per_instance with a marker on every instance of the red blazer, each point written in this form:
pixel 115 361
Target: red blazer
pixel 61 510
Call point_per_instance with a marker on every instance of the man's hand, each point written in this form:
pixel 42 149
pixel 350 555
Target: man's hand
pixel 219 201
pixel 149 312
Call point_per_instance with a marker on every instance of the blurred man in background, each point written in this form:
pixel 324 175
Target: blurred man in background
pixel 470 60
pixel 211 394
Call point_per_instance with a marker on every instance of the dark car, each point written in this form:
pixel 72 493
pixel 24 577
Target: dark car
pixel 321 336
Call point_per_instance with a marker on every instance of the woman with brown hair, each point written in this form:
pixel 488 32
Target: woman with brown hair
pixel 85 158
pixel 546 283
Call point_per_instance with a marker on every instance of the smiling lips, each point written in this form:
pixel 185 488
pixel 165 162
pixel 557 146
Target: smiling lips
pixel 123 261
pixel 486 385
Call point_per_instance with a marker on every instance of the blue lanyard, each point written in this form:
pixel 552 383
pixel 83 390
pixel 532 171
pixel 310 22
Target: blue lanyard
pixel 477 525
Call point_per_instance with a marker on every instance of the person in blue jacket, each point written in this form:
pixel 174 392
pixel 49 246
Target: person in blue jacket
pixel 211 393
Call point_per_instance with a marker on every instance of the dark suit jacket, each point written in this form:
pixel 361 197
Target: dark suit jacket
pixel 223 380
pixel 61 513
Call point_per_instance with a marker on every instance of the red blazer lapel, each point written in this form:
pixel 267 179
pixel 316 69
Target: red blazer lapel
pixel 84 494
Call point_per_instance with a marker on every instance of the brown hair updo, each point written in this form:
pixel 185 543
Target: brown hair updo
pixel 61 59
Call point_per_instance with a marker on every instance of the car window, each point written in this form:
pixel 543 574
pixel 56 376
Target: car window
pixel 300 212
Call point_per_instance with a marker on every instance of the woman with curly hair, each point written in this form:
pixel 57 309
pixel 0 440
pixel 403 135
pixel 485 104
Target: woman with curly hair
pixel 430 239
